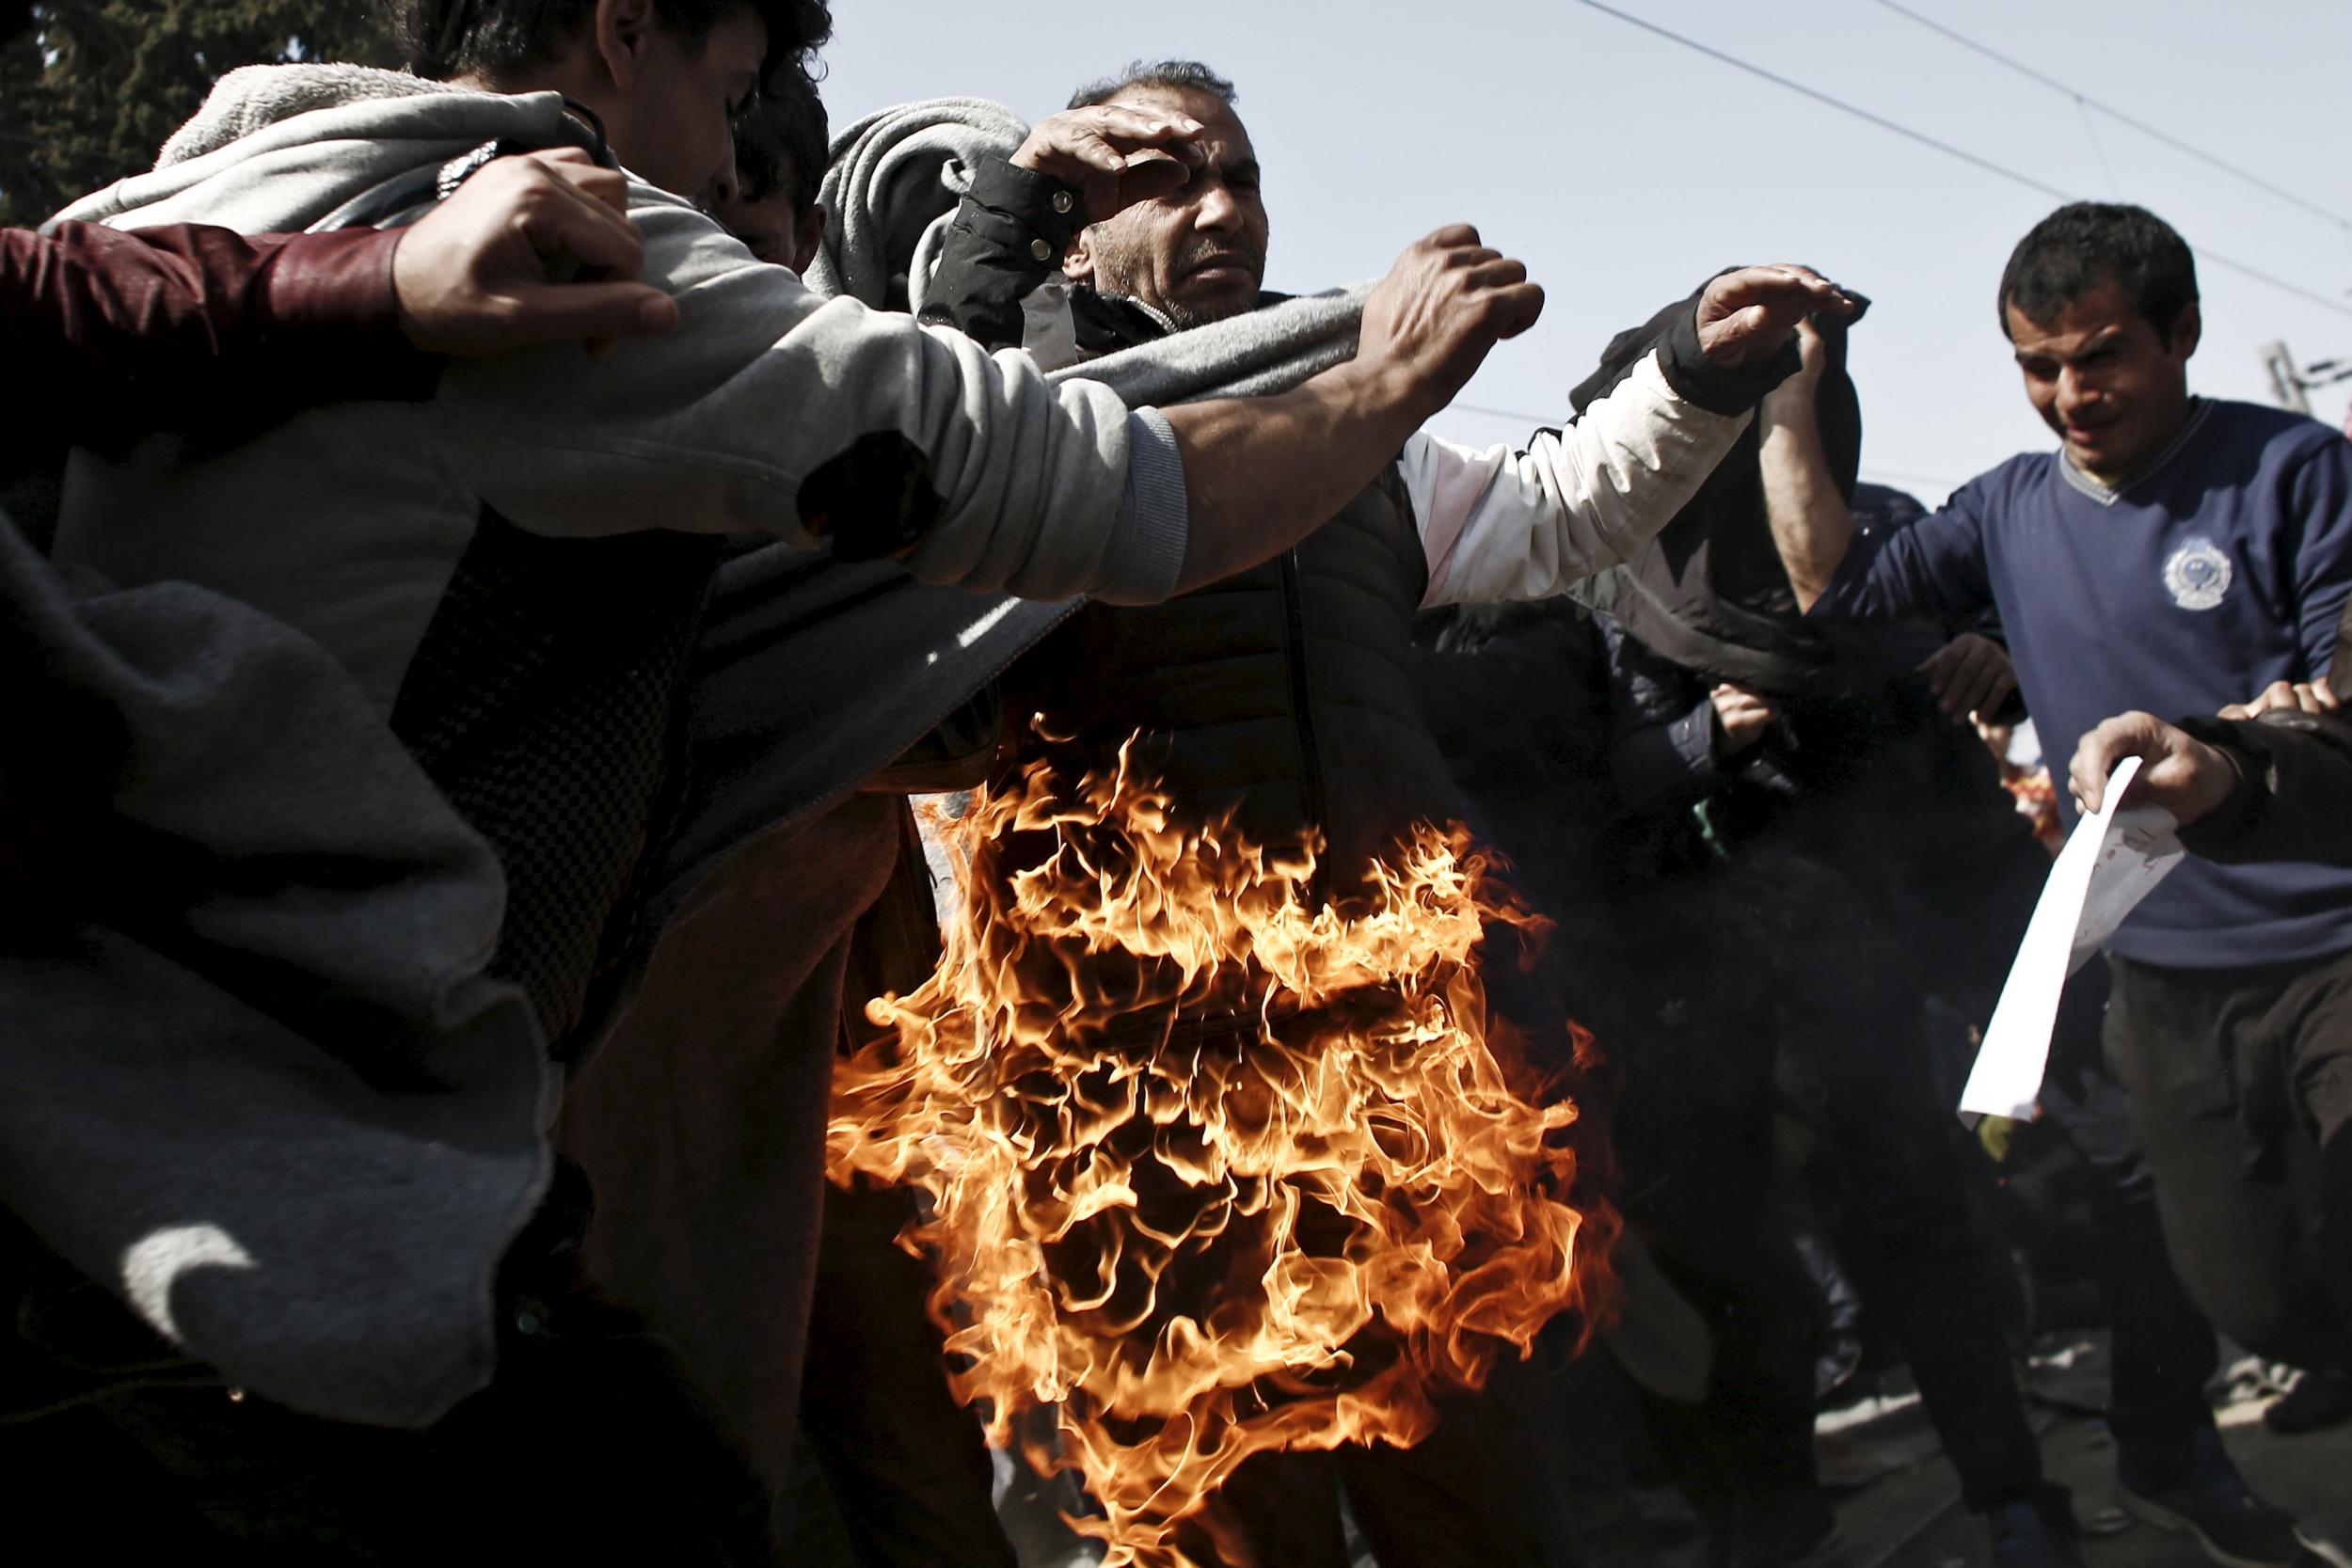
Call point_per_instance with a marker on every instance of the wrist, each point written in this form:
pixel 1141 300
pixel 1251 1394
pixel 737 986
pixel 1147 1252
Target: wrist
pixel 1019 188
pixel 344 282
pixel 1385 390
pixel 2219 776
pixel 1697 377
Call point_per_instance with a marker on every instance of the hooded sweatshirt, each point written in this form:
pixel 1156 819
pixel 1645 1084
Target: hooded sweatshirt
pixel 348 520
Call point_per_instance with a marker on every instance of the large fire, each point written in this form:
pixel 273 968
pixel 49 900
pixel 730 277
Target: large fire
pixel 1211 1168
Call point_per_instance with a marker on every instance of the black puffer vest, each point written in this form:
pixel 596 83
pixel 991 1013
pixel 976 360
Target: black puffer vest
pixel 1284 694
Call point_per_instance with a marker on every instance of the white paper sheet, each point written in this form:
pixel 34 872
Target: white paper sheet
pixel 2111 863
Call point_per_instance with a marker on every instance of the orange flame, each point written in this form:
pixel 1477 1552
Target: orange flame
pixel 1211 1165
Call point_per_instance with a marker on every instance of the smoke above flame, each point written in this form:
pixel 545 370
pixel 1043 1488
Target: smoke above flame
pixel 1211 1166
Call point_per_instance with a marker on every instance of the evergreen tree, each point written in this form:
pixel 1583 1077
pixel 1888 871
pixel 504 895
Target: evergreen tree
pixel 93 88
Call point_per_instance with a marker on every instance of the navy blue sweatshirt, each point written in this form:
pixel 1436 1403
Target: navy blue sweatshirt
pixel 2221 566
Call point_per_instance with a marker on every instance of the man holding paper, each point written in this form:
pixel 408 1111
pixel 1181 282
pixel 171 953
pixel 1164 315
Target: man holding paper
pixel 2174 554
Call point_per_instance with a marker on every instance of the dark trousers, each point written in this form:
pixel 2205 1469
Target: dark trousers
pixel 1963 925
pixel 2161 1349
pixel 1687 1011
pixel 1480 1492
pixel 897 1475
pixel 1890 1147
pixel 1783 948
pixel 2241 1088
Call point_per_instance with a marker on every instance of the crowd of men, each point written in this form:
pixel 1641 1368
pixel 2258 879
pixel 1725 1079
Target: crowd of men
pixel 460 796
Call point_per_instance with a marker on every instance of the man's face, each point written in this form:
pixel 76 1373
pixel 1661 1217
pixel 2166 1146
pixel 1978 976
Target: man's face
pixel 1198 254
pixel 2105 379
pixel 774 228
pixel 670 109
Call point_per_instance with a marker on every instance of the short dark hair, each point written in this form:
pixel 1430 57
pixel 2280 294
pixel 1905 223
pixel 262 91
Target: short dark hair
pixel 780 142
pixel 1189 75
pixel 442 38
pixel 2086 243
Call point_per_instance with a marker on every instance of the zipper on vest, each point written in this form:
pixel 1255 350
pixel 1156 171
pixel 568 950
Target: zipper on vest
pixel 1302 710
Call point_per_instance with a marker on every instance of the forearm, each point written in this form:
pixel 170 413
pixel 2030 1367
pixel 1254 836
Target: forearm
pixel 823 423
pixel 134 330
pixel 2295 775
pixel 1502 525
pixel 1262 473
pixel 1811 522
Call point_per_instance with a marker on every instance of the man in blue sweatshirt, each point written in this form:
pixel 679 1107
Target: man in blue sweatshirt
pixel 2175 554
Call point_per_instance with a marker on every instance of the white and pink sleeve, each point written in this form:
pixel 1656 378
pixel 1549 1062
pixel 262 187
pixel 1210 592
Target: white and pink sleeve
pixel 1498 524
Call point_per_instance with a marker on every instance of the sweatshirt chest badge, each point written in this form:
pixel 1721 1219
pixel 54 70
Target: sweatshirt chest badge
pixel 2198 575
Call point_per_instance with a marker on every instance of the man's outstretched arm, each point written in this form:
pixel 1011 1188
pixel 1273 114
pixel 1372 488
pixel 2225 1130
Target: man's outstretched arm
pixel 1505 525
pixel 1935 567
pixel 127 332
pixel 1262 473
pixel 825 422
pixel 1811 521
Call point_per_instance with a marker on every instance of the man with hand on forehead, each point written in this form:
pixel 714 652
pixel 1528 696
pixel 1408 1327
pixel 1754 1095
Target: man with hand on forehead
pixel 1136 221
pixel 1138 217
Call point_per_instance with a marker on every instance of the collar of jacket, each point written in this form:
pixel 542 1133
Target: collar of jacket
pixel 1105 323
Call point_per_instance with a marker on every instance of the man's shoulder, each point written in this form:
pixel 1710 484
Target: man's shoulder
pixel 2282 432
pixel 1994 494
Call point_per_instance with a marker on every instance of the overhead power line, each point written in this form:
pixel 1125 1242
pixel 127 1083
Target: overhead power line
pixel 1963 154
pixel 2120 117
pixel 1838 103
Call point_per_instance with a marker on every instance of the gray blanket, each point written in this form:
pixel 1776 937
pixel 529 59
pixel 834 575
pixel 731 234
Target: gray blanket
pixel 258 1083
pixel 894 180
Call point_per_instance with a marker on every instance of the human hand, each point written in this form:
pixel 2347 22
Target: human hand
pixel 2179 772
pixel 2296 696
pixel 532 249
pixel 1745 315
pixel 1741 716
pixel 1113 155
pixel 1970 674
pixel 1443 305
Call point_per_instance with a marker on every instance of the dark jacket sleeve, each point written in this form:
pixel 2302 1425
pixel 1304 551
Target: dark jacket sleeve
pixel 1010 233
pixel 1661 728
pixel 2293 799
pixel 119 332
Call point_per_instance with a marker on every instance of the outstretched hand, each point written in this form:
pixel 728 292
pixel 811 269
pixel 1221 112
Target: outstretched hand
pixel 1744 316
pixel 534 249
pixel 1113 155
pixel 1445 304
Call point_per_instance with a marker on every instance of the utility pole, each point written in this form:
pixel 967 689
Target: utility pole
pixel 2286 383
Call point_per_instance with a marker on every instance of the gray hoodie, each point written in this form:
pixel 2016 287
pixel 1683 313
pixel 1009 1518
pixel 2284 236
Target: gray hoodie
pixel 348 520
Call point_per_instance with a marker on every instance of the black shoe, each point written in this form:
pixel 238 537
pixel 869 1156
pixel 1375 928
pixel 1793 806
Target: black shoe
pixel 2211 1501
pixel 2317 1400
pixel 2036 1531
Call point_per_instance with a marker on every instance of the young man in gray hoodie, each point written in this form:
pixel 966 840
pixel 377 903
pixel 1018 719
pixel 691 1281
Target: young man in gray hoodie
pixel 513 574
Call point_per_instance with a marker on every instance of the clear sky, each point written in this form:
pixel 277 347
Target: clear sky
pixel 1624 168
